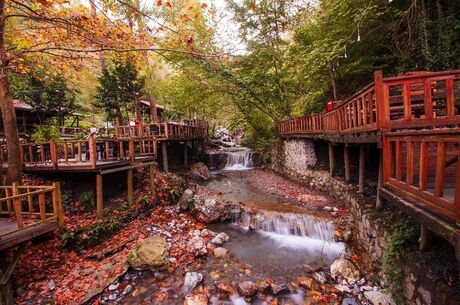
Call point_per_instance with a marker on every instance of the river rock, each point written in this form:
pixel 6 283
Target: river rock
pixel 220 239
pixel 186 200
pixel 210 208
pixel 197 246
pixel 247 289
pixel 379 297
pixel 306 282
pixel 345 268
pixel 279 288
pixel 191 280
pixel 151 253
pixel 225 289
pixel 220 252
pixel 196 299
pixel 200 170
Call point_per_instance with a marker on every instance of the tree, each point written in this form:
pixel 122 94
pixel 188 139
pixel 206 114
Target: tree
pixel 120 87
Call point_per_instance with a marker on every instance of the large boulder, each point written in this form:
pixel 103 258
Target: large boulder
pixel 186 200
pixel 379 297
pixel 345 268
pixel 200 170
pixel 151 253
pixel 210 208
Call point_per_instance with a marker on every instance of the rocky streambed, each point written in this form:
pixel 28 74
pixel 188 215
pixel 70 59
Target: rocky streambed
pixel 251 246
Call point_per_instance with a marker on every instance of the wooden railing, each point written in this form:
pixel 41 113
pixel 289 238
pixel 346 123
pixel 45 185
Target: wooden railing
pixel 423 100
pixel 31 205
pixel 183 130
pixel 83 152
pixel 425 167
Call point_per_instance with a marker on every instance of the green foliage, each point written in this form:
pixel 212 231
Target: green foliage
pixel 401 234
pixel 49 94
pixel 87 199
pixel 175 187
pixel 67 200
pixel 120 86
pixel 46 133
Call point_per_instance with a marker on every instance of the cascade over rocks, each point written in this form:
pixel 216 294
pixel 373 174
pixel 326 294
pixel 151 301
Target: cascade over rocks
pixel 152 253
pixel 200 170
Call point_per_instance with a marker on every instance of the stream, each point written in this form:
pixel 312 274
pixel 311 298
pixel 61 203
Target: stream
pixel 271 238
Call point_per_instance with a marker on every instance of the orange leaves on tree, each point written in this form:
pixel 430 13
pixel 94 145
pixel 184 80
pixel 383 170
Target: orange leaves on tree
pixel 159 2
pixel 204 5
pixel 253 6
pixel 168 4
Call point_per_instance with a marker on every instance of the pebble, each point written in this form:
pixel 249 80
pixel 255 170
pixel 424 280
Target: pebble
pixel 51 285
pixel 114 286
pixel 128 289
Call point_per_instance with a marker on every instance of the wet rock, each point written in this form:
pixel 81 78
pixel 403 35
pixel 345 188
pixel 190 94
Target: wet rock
pixel 197 299
pixel 207 233
pixel 114 286
pixel 127 289
pixel 151 253
pixel 348 236
pixel 220 252
pixel 197 246
pixel 200 170
pixel 343 288
pixel 220 238
pixel 264 286
pixel 306 282
pixel 51 285
pixel 349 301
pixel 320 277
pixel 191 280
pixel 344 267
pixel 225 289
pixel 246 289
pixel 186 200
pixel 279 288
pixel 379 297
pixel 211 208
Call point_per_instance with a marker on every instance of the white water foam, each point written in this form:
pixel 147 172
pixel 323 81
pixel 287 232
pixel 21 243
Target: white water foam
pixel 239 160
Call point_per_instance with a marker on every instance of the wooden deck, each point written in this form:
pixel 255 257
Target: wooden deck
pixel 27 212
pixel 415 120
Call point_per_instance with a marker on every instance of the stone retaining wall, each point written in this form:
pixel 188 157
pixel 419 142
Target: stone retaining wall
pixel 419 287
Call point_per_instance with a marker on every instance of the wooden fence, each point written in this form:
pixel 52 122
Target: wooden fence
pixel 423 100
pixel 88 152
pixel 183 130
pixel 31 205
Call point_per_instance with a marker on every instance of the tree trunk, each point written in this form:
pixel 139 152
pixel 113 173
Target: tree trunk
pixel 153 108
pixel 332 75
pixel 118 120
pixel 8 112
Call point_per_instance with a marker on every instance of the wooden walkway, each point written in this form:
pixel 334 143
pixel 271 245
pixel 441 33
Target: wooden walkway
pixel 415 122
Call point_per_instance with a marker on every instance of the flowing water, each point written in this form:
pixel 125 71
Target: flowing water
pixel 239 160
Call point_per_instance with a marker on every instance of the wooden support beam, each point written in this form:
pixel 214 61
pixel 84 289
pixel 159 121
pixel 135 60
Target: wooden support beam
pixel 130 186
pixel 99 198
pixel 362 167
pixel 346 157
pixel 185 154
pixel 379 201
pixel 6 270
pixel 331 158
pixel 164 153
pixel 425 238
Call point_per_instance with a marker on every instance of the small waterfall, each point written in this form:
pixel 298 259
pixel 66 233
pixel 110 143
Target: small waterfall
pixel 290 224
pixel 238 160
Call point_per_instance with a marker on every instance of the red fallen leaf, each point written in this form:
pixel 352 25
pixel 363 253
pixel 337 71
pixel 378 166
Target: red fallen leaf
pixel 159 2
pixel 356 258
pixel 168 4
pixel 190 40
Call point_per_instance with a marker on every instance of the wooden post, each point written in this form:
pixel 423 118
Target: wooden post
pixel 185 154
pixel 379 201
pixel 92 152
pixel 131 149
pixel 425 238
pixel 17 206
pixel 346 156
pixel 99 198
pixel 164 152
pixel 152 180
pixel 130 185
pixel 59 211
pixel 331 158
pixel 53 154
pixel 362 167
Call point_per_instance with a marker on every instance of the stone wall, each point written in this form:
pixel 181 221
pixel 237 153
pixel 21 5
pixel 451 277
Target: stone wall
pixel 419 286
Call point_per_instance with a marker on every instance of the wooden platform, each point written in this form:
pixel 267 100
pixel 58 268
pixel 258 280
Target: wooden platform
pixel 10 236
